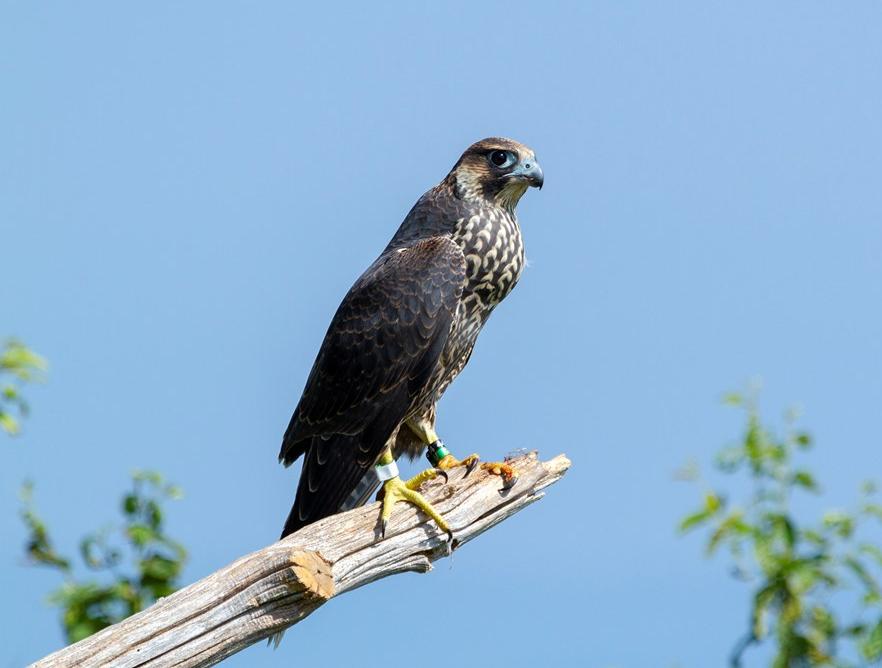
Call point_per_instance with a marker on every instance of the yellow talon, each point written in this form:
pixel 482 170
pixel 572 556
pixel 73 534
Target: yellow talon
pixel 395 490
pixel 429 474
pixel 450 462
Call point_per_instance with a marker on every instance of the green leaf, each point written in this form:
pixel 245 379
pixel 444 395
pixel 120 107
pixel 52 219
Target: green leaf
pixel 872 646
pixel 153 514
pixel 872 510
pixel 862 574
pixel 815 538
pixel 693 520
pixel 753 443
pixel 38 546
pixel 840 522
pixel 83 628
pixel 873 551
pixel 88 547
pixel 823 622
pixel 805 480
pixel 130 504
pixel 806 574
pixel 733 399
pixel 160 568
pixel 152 477
pixel 23 363
pixel 140 534
pixel 712 502
pixel 784 529
pixel 854 630
pixel 9 424
pixel 762 601
pixel 731 526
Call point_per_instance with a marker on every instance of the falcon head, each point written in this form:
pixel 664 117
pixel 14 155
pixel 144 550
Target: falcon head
pixel 498 170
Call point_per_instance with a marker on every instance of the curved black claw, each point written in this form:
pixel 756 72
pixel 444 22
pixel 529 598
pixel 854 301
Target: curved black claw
pixel 508 484
pixel 383 524
pixel 443 474
pixel 471 467
pixel 452 543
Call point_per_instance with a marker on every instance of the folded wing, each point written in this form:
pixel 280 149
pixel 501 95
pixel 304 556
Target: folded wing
pixel 376 361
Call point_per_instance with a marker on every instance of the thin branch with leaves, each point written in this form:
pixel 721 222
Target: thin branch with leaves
pixel 798 570
pixel 131 565
pixel 18 365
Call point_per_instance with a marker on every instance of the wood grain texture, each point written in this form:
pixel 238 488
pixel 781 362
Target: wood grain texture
pixel 267 591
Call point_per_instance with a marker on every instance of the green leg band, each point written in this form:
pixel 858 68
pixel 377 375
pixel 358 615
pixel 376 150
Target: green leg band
pixel 436 452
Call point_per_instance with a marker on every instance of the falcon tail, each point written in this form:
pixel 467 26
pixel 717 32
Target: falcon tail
pixel 363 491
pixel 332 479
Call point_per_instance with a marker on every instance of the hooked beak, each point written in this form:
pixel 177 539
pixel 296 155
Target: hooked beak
pixel 530 171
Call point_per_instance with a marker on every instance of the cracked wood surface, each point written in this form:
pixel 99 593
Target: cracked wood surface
pixel 267 591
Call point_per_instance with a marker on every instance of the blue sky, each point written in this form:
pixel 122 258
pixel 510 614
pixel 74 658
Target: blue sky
pixel 187 191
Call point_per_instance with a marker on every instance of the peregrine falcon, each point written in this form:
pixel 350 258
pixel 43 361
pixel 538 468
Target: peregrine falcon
pixel 401 335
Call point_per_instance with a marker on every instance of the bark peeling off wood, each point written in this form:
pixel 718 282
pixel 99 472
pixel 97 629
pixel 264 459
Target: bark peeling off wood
pixel 267 591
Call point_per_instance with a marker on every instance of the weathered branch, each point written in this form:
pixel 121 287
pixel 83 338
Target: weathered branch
pixel 267 591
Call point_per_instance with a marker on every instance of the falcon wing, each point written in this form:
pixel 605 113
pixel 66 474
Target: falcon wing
pixel 377 357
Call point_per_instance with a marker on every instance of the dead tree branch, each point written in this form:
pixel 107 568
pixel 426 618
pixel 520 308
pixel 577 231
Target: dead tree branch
pixel 267 591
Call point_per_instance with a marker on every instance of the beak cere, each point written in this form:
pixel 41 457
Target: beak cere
pixel 534 175
pixel 531 172
pixel 512 186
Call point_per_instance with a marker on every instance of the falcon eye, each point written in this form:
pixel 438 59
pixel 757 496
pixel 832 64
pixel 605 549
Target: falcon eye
pixel 502 158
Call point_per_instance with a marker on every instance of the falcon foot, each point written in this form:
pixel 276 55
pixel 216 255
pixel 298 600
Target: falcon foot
pixel 395 490
pixel 441 458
